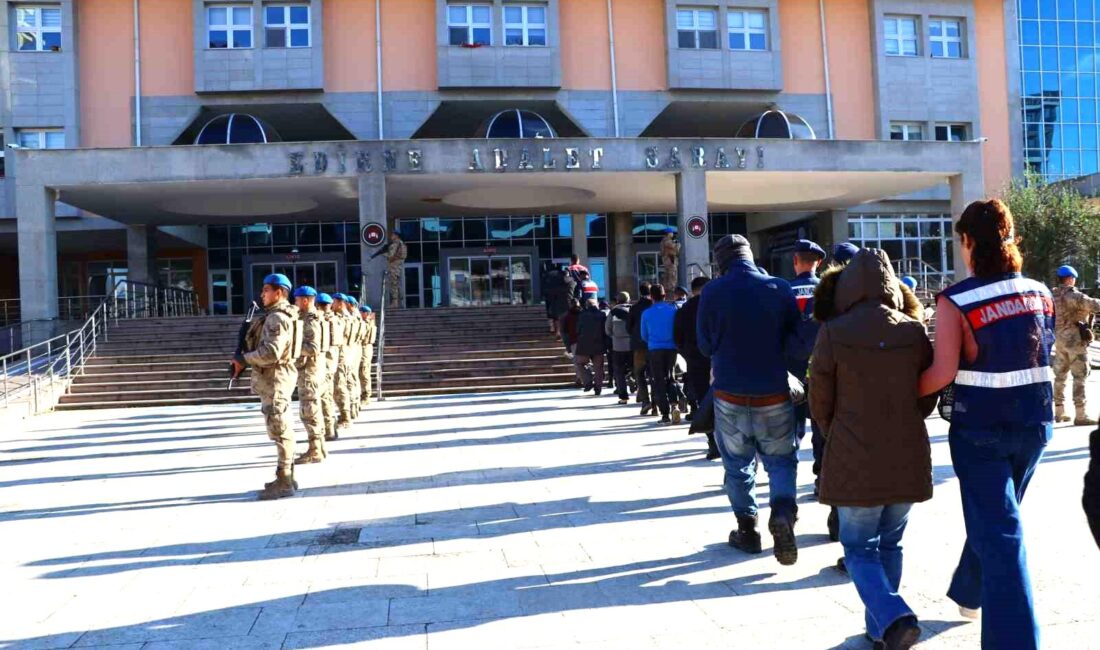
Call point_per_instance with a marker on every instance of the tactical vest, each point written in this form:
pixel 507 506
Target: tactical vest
pixel 336 330
pixel 324 334
pixel 804 289
pixel 296 340
pixel 1010 381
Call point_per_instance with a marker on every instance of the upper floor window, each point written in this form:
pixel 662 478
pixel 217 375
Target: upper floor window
pixel 524 25
pixel 286 26
pixel 945 38
pixel 38 28
pixel 228 26
pixel 901 35
pixel 697 29
pixel 951 132
pixel 748 29
pixel 906 131
pixel 470 24
pixel 41 138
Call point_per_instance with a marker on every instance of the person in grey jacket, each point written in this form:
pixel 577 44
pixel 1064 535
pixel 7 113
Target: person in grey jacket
pixel 617 327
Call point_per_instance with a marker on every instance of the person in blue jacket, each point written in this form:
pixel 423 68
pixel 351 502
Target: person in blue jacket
pixel 807 257
pixel 657 326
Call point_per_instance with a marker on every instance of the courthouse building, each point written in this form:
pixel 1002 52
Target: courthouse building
pixel 206 143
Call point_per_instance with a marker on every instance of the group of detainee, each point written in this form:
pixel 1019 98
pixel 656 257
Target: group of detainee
pixel 849 351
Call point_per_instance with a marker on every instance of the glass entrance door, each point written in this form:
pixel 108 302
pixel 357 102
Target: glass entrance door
pixel 414 283
pixel 646 267
pixel 485 281
pixel 319 275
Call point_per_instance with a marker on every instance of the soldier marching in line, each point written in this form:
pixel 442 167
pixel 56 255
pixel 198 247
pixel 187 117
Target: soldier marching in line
pixel 272 346
pixel 355 344
pixel 343 368
pixel 312 368
pixel 1073 312
pixel 670 261
pixel 335 353
pixel 370 335
pixel 395 266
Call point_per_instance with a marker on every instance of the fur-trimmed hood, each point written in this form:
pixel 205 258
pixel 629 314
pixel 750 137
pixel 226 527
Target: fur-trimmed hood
pixel 872 278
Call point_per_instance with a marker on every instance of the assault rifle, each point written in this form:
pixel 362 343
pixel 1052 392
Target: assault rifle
pixel 238 355
pixel 382 251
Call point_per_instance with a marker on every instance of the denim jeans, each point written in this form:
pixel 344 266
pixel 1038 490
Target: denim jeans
pixel 742 432
pixel 872 553
pixel 994 467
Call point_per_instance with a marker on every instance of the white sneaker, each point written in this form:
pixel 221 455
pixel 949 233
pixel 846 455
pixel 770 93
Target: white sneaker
pixel 972 614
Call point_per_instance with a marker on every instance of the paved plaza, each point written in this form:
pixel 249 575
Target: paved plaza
pixel 522 520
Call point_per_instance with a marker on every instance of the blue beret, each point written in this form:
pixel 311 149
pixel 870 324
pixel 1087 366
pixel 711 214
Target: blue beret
pixel 305 292
pixel 353 300
pixel 845 252
pixel 670 230
pixel 807 246
pixel 278 280
pixel 324 299
pixel 1067 271
pixel 339 296
pixel 365 309
pixel 909 281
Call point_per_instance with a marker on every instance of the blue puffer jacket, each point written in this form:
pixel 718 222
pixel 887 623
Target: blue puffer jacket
pixel 657 324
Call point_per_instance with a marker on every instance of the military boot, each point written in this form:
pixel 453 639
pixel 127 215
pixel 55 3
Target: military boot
pixel 1082 418
pixel 745 538
pixel 283 486
pixel 314 454
pixel 1060 413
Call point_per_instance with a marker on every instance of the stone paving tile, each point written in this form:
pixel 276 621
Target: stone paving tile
pixel 561 522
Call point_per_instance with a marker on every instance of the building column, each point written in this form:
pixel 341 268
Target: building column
pixel 965 188
pixel 141 254
pixel 622 243
pixel 372 209
pixel 580 237
pixel 37 238
pixel 832 229
pixel 691 201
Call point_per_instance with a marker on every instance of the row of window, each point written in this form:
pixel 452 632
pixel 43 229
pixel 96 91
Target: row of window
pixel 229 26
pixel 915 131
pixel 746 29
pixel 472 25
pixel 901 37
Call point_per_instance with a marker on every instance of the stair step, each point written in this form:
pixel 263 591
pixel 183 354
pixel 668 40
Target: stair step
pixel 137 403
pixel 158 395
pixel 212 374
pixel 529 378
pixel 495 370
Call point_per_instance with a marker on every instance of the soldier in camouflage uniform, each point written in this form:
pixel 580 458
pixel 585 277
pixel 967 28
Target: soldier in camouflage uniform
pixel 332 359
pixel 340 378
pixel 365 367
pixel 312 366
pixel 395 266
pixel 355 342
pixel 1073 312
pixel 270 349
pixel 670 261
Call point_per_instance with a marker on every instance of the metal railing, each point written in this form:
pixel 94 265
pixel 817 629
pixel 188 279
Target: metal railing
pixel 9 311
pixel 380 343
pixel 40 373
pixel 928 277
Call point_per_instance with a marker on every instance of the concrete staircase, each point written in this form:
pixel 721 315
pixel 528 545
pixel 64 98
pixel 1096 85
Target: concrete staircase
pixel 472 350
pixel 161 361
pixel 183 361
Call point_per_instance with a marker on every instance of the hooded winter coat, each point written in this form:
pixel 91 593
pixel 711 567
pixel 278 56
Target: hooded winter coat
pixel 866 364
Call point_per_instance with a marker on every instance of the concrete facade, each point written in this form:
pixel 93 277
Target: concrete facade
pixel 723 68
pixel 497 65
pixel 258 67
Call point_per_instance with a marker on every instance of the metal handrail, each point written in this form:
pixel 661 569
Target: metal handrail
pixel 923 271
pixel 9 311
pixel 380 344
pixel 44 365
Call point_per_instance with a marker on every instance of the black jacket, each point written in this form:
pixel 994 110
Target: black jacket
pixel 590 332
pixel 635 324
pixel 556 292
pixel 684 332
pixel 1091 499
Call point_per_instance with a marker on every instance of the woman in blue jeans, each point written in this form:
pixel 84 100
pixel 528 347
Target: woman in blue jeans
pixel 867 362
pixel 994 332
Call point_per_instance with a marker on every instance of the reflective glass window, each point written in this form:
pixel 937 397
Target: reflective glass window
pixel 37 28
pixel 697 29
pixel 228 26
pixel 469 24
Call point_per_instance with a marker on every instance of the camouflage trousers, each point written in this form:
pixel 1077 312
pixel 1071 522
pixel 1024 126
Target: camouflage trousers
pixel 328 400
pixel 341 387
pixel 669 277
pixel 311 382
pixel 1070 360
pixel 275 386
pixel 393 285
pixel 365 370
pixel 352 379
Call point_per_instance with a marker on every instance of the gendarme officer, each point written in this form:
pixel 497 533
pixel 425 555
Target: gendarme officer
pixel 1073 312
pixel 271 347
pixel 807 258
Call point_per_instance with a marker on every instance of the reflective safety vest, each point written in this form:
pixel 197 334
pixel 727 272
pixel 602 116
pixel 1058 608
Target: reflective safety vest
pixel 1010 381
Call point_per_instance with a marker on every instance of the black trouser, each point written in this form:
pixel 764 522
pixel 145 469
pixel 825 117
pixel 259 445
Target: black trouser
pixel 696 379
pixel 621 363
pixel 661 363
pixel 642 374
